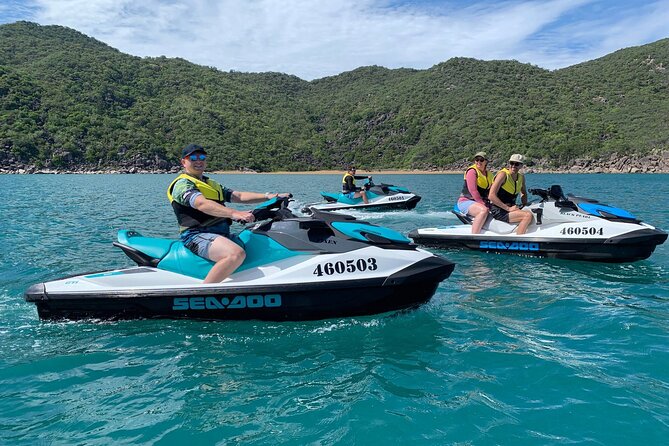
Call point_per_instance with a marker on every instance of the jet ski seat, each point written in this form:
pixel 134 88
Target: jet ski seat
pixel 145 251
pixel 170 255
pixel 464 218
pixel 330 198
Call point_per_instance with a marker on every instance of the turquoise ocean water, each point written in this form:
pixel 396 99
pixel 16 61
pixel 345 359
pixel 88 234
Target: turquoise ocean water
pixel 511 350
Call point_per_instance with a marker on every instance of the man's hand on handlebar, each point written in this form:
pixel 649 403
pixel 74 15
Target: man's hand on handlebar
pixel 243 216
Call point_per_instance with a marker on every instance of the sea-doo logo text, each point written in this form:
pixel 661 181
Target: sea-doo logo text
pixel 223 303
pixel 509 246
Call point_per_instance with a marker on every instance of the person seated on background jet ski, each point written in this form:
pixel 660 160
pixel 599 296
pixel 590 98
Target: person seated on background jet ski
pixel 509 182
pixel 204 221
pixel 349 188
pixel 474 197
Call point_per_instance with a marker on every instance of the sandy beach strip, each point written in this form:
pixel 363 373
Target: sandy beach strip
pixel 341 172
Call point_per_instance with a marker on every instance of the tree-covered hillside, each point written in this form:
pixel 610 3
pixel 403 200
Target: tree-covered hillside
pixel 67 100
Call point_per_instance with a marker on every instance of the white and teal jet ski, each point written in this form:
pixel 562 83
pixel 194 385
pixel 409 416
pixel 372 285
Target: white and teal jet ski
pixel 380 196
pixel 296 268
pixel 568 227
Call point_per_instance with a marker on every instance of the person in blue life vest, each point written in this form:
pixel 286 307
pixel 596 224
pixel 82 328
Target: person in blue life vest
pixel 348 186
pixel 473 199
pixel 508 184
pixel 204 220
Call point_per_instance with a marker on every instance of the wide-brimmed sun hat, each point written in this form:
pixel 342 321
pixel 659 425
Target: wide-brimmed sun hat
pixel 517 158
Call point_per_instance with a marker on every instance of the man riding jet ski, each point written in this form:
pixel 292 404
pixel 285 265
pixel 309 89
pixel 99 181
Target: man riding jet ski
pixel 296 268
pixel 568 227
pixel 369 196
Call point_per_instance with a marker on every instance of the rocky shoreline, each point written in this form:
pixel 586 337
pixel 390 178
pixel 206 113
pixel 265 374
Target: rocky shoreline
pixel 655 162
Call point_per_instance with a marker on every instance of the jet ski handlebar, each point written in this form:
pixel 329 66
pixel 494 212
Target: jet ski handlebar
pixel 554 192
pixel 275 209
pixel 542 193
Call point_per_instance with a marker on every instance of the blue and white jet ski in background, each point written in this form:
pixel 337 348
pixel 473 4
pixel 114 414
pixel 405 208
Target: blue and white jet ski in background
pixel 380 196
pixel 568 227
pixel 322 266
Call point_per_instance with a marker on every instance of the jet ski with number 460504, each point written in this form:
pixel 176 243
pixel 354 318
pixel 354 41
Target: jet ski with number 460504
pixel 568 227
pixel 296 268
pixel 380 197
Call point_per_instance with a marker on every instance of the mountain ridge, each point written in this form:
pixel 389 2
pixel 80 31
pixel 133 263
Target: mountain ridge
pixel 69 102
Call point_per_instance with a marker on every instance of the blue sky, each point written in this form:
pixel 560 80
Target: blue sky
pixel 317 38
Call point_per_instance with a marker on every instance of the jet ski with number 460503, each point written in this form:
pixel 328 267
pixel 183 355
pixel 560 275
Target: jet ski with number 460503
pixel 380 196
pixel 568 227
pixel 296 268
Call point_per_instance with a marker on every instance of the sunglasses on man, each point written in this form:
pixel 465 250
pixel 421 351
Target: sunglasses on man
pixel 515 164
pixel 478 159
pixel 200 157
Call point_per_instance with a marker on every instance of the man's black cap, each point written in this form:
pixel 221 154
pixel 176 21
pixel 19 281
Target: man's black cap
pixel 192 148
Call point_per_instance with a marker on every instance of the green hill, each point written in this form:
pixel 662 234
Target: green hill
pixel 68 100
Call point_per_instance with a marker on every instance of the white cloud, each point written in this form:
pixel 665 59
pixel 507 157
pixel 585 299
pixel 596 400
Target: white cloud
pixel 316 38
pixel 14 10
pixel 613 27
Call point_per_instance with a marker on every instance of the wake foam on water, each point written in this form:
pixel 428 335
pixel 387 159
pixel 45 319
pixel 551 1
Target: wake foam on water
pixel 346 324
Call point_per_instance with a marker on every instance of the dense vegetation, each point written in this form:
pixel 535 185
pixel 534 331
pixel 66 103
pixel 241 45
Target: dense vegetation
pixel 68 100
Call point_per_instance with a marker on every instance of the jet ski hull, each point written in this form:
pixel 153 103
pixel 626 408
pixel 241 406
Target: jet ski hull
pixel 407 288
pixel 629 247
pixel 380 205
pixel 381 197
pixel 563 227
